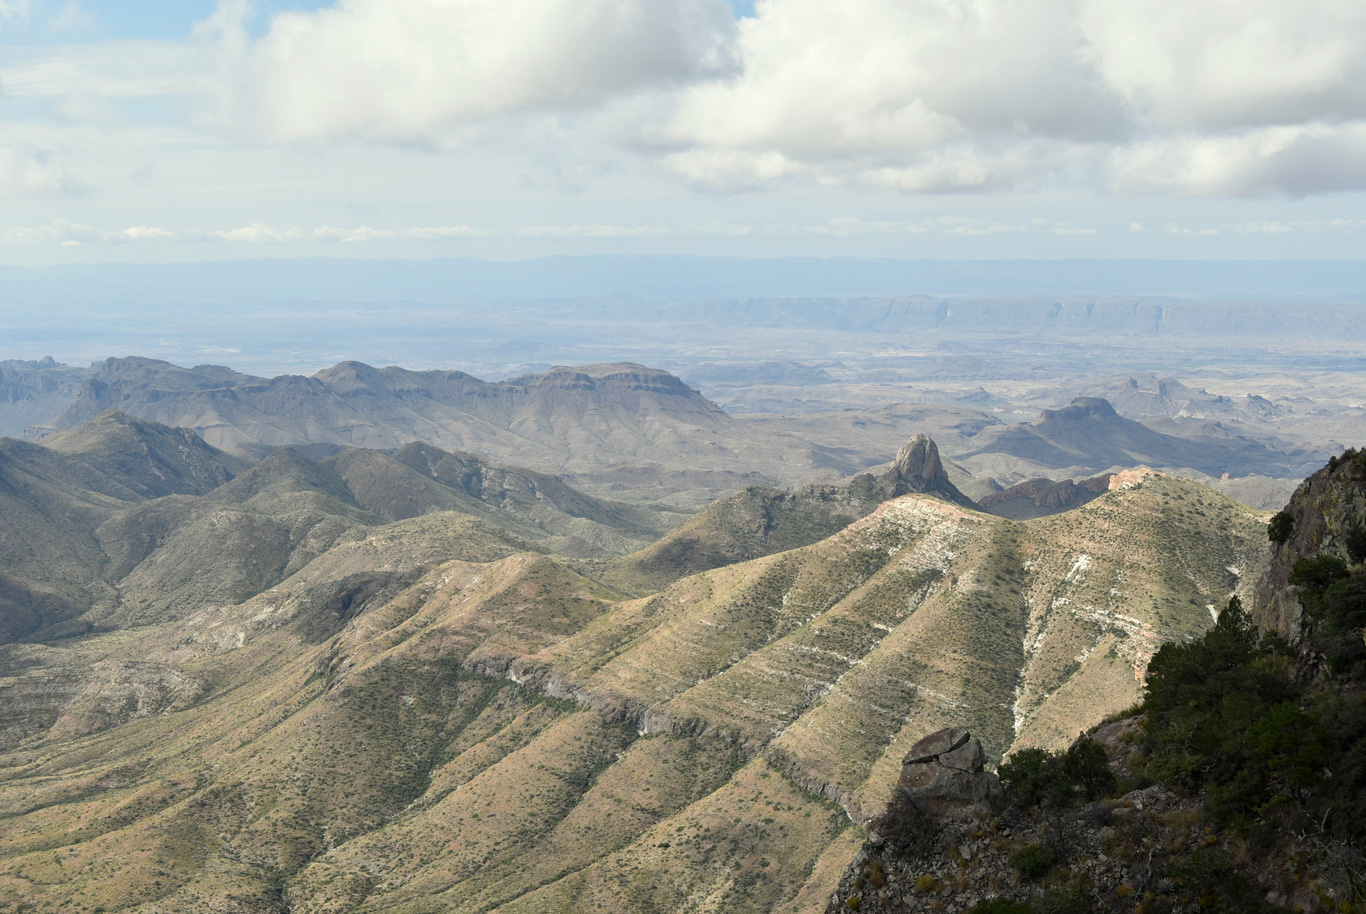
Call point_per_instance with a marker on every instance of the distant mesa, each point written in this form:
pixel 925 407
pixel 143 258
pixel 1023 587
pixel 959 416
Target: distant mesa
pixel 1079 410
pixel 1147 396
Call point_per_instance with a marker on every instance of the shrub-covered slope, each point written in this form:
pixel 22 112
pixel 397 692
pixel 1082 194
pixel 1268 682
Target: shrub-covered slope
pixel 388 729
pixel 1237 787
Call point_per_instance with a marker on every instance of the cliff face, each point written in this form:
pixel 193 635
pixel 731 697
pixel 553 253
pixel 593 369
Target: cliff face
pixel 1325 517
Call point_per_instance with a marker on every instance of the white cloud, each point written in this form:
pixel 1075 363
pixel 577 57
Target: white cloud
pixel 1174 229
pixel 328 121
pixel 847 226
pixel 1294 160
pixel 28 171
pixel 107 70
pixel 71 16
pixel 1244 98
pixel 595 231
pixel 922 96
pixel 1219 64
pixel 15 9
pixel 411 70
pixel 61 232
pixel 65 232
pixel 1276 227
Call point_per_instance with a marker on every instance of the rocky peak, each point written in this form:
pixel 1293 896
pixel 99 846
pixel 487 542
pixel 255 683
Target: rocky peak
pixel 918 463
pixel 917 469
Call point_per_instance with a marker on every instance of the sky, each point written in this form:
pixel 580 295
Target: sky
pixel 142 131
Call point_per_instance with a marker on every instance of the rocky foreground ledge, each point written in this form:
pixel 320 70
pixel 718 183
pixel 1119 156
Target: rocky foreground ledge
pixel 950 842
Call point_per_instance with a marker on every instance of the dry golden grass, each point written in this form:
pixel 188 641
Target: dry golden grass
pixel 369 752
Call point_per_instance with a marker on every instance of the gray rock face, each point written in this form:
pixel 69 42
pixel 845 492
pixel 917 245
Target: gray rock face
pixel 1326 510
pixel 917 463
pixel 945 774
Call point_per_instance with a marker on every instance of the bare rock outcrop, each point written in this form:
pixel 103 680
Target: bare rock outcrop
pixel 1041 497
pixel 945 774
pixel 1324 518
pixel 916 470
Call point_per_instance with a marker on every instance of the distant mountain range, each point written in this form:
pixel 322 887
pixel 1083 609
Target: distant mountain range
pixel 623 430
pixel 1088 435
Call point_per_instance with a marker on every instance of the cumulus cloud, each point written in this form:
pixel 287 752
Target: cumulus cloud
pixel 1199 97
pixel 1186 96
pixel 60 231
pixel 1169 96
pixel 1296 160
pixel 1217 64
pixel 259 232
pixel 1320 226
pixel 409 69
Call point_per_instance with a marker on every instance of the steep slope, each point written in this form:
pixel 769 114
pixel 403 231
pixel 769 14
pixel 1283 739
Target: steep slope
pixel 32 392
pixel 124 522
pixel 50 559
pixel 372 734
pixel 419 477
pixel 53 498
pixel 1325 518
pixel 1242 740
pixel 148 458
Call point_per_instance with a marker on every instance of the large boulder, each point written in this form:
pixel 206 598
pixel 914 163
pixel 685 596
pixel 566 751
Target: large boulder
pixel 945 774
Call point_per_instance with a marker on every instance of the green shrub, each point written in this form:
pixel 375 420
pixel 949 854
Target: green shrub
pixel 1225 716
pixel 1036 776
pixel 1086 769
pixel 1031 775
pixel 1356 544
pixel 1218 886
pixel 1033 861
pixel 1280 528
pixel 1315 574
pixel 1002 906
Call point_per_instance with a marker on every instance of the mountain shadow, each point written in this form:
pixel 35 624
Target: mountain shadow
pixel 1089 434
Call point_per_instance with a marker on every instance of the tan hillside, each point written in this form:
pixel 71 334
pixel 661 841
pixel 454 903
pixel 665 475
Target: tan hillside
pixel 383 730
pixel 123 521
